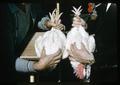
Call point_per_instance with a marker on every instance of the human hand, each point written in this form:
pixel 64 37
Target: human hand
pixel 50 23
pixel 76 21
pixel 59 26
pixel 48 61
pixel 80 55
pixel 55 20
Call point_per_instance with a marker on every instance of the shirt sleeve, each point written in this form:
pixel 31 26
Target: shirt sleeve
pixel 22 65
pixel 41 23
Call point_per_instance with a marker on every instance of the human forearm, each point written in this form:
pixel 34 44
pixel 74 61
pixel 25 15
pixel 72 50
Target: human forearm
pixel 42 23
pixel 23 65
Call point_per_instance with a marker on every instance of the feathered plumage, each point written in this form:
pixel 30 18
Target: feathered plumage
pixel 78 35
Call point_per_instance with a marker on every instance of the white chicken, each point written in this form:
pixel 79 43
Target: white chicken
pixel 77 35
pixel 52 40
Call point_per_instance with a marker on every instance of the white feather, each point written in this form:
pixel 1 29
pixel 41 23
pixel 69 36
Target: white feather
pixel 52 40
pixel 78 35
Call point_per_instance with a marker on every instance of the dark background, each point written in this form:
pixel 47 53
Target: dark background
pixel 105 69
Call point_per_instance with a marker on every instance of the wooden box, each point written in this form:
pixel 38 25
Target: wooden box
pixel 29 52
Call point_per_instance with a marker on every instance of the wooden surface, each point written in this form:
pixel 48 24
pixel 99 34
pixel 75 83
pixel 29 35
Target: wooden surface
pixel 29 52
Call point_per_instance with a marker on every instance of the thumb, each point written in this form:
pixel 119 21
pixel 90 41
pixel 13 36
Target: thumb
pixel 43 54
